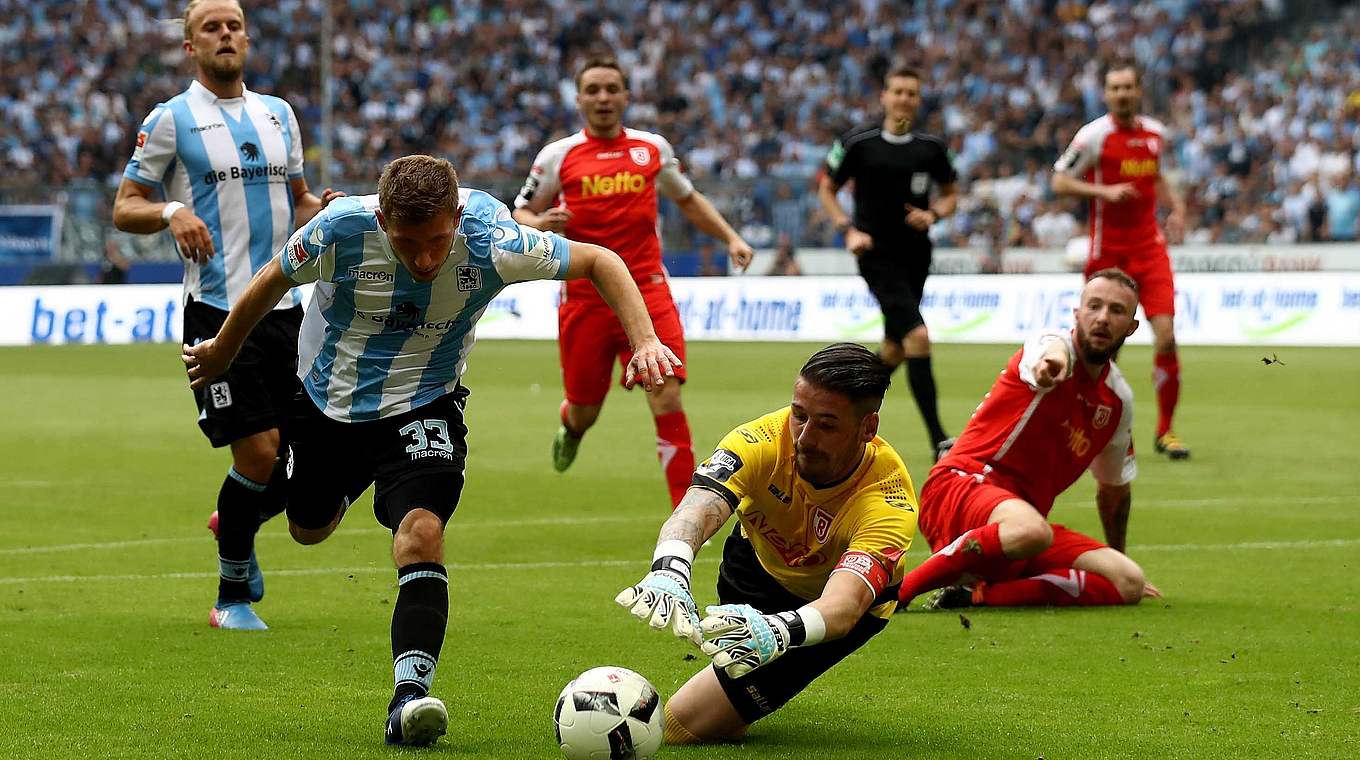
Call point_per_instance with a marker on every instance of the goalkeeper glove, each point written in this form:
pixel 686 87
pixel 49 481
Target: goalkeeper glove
pixel 662 597
pixel 741 639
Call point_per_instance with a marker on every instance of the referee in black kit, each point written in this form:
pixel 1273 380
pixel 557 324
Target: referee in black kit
pixel 893 169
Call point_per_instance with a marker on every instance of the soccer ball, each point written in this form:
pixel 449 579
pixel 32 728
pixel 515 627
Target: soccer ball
pixel 608 713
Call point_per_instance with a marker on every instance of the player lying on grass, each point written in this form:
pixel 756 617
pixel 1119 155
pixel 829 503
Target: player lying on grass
pixel 401 279
pixel 825 512
pixel 1060 407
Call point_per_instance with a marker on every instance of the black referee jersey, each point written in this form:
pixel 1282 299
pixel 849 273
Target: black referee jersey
pixel 889 171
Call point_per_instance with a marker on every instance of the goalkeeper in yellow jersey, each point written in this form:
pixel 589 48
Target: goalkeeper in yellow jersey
pixel 825 512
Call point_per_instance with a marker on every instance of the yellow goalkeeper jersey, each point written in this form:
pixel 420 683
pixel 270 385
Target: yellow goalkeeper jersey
pixel 802 534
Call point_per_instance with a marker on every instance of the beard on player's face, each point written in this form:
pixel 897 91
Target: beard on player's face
pixel 1100 345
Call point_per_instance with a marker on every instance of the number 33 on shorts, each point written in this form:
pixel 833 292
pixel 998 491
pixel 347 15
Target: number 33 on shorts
pixel 429 438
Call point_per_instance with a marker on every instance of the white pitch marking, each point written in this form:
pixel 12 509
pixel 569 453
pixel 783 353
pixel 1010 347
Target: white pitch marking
pixel 481 566
pixel 375 530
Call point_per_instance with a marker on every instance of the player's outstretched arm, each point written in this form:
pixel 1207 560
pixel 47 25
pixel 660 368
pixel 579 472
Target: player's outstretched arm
pixel 740 638
pixel 1113 503
pixel 652 361
pixel 701 213
pixel 211 358
pixel 663 597
pixel 1054 365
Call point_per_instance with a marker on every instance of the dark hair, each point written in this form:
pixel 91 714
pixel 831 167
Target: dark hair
pixel 416 189
pixel 1120 64
pixel 901 71
pixel 852 371
pixel 601 62
pixel 1116 274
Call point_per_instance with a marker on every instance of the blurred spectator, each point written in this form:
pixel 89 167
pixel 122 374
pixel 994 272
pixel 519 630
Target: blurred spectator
pixel 1343 207
pixel 114 270
pixel 710 264
pixel 1055 226
pixel 785 264
pixel 1261 96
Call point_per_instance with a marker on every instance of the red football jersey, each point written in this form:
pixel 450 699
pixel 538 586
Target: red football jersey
pixel 1105 153
pixel 610 187
pixel 1036 442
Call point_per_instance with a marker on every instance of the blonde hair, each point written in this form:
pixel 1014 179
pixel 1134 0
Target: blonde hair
pixel 416 189
pixel 189 8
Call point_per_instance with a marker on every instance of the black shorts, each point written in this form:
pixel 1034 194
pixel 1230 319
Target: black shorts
pixel 741 580
pixel 416 459
pixel 254 394
pixel 897 278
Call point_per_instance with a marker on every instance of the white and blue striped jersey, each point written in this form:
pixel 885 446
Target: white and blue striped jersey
pixel 375 342
pixel 230 162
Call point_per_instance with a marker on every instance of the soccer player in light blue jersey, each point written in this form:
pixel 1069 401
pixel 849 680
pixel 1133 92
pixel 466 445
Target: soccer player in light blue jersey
pixel 401 280
pixel 227 163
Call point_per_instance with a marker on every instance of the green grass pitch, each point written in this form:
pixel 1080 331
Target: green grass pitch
pixel 107 574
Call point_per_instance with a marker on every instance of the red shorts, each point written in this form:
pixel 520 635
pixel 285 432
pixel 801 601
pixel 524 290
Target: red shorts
pixel 953 504
pixel 590 340
pixel 1150 267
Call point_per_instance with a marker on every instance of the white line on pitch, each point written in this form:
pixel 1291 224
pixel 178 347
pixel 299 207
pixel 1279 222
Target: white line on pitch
pixel 454 527
pixel 477 566
pixel 474 524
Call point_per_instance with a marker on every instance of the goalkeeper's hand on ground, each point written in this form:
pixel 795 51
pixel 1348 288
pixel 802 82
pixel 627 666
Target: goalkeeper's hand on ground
pixel 662 598
pixel 740 639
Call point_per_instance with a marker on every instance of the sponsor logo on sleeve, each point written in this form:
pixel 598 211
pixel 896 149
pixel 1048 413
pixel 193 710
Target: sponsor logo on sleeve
pixel 640 155
pixel 836 156
pixel 539 246
pixel 141 143
pixel 297 254
pixel 748 435
pixel 530 184
pixel 1068 159
pixel 721 466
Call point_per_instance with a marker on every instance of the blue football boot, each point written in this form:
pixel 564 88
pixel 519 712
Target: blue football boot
pixel 235 616
pixel 417 721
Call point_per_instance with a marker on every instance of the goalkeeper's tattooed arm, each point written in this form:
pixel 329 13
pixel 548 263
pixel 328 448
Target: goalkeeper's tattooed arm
pixel 662 598
pixel 700 515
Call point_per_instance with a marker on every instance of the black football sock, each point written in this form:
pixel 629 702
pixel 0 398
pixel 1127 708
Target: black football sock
pixel 418 621
pixel 922 382
pixel 238 508
pixel 275 497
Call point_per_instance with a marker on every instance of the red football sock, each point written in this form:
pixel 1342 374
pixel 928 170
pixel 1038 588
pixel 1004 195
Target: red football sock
pixel 1166 380
pixel 562 414
pixel 1060 588
pixel 976 552
pixel 676 452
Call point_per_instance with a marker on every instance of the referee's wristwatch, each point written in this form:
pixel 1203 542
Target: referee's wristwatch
pixel 935 215
pixel 845 225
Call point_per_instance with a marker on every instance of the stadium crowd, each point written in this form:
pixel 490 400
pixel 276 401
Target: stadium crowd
pixel 1265 112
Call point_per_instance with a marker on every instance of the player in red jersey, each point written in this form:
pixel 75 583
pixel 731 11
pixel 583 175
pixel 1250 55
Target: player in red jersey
pixel 1060 407
pixel 600 185
pixel 1116 162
